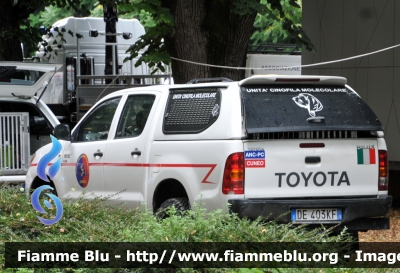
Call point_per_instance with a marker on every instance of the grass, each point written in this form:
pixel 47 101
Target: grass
pixel 94 221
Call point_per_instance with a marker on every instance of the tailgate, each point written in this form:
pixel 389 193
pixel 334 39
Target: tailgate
pixel 293 169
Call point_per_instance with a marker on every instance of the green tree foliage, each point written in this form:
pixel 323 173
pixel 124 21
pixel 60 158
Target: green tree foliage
pixel 269 27
pixel 152 42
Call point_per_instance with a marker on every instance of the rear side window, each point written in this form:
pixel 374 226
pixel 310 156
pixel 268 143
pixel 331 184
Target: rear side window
pixel 293 108
pixel 191 111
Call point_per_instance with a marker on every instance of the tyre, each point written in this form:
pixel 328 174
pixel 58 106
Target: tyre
pixel 180 204
pixel 356 244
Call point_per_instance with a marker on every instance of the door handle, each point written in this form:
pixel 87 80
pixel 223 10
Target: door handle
pixel 100 154
pixel 136 153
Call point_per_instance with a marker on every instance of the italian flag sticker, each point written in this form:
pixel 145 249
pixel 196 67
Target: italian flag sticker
pixel 366 156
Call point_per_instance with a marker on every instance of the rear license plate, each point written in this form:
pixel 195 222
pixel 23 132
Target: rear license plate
pixel 316 215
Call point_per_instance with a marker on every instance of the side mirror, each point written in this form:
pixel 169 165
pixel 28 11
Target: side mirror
pixel 62 132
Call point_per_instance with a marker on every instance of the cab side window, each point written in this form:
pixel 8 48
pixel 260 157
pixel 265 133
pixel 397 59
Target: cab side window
pixel 98 123
pixel 134 116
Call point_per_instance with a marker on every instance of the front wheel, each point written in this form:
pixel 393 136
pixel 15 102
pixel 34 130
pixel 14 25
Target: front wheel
pixel 180 204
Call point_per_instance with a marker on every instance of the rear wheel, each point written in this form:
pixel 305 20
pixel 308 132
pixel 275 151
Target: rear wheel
pixel 38 183
pixel 180 204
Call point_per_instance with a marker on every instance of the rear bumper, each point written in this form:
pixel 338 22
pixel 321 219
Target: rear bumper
pixel 12 179
pixel 357 212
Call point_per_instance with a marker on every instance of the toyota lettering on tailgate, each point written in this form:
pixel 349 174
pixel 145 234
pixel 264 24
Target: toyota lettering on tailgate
pixel 319 179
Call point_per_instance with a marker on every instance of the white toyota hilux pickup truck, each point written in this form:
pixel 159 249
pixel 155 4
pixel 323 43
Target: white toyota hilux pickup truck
pixel 301 149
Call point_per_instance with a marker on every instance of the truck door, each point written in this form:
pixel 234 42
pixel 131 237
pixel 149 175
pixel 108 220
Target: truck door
pixel 125 157
pixel 83 158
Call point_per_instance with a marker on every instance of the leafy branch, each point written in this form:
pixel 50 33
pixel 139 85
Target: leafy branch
pixel 154 51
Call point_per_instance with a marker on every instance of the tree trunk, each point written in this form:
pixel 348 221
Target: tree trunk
pixel 219 35
pixel 10 45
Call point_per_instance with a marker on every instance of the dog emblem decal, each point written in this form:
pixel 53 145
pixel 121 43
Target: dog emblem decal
pixel 308 101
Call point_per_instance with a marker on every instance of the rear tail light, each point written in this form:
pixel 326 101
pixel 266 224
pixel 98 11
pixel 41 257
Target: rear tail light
pixel 233 180
pixel 383 179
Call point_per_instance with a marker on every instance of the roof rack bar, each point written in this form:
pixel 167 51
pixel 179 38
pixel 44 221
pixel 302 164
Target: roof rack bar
pixel 205 80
